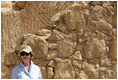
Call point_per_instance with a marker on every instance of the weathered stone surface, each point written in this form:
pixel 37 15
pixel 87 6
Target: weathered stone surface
pixel 78 5
pixel 115 20
pixel 37 43
pixel 51 63
pixel 64 70
pixel 50 72
pixel 86 13
pixel 70 39
pixel 6 4
pixel 94 49
pixel 57 60
pixel 4 68
pixel 66 48
pixel 100 25
pixel 77 55
pixel 75 20
pixel 90 71
pixel 76 60
pixel 82 75
pixel 12 59
pixel 40 62
pixel 3 76
pixel 99 19
pixel 73 36
pixel 20 4
pixel 113 49
pixel 56 36
pixel 108 73
pixel 105 61
pixel 83 3
pixel 44 72
pixel 44 33
pixel 51 54
pixel 52 46
pixel 58 16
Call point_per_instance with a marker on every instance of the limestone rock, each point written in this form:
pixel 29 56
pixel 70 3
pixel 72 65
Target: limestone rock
pixel 51 54
pixel 105 4
pixel 113 69
pixel 40 62
pixel 77 55
pixel 20 4
pixel 115 20
pixel 12 59
pixel 52 46
pixel 6 70
pixel 56 36
pixel 58 16
pixel 98 19
pixel 77 65
pixel 64 70
pixel 57 60
pixel 90 71
pixel 43 72
pixel 76 60
pixel 75 20
pixel 94 49
pixel 99 25
pixel 3 75
pixel 51 63
pixel 86 13
pixel 82 75
pixel 45 33
pixel 78 5
pixel 95 3
pixel 70 39
pixel 107 73
pixel 114 32
pixel 113 49
pixel 83 3
pixel 66 48
pixel 72 36
pixel 50 72
pixel 6 4
pixel 37 43
pixel 105 61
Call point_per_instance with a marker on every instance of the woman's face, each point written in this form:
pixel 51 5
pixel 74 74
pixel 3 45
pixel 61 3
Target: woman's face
pixel 25 56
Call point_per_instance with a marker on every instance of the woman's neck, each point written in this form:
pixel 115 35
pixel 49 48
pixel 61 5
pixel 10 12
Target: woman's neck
pixel 26 63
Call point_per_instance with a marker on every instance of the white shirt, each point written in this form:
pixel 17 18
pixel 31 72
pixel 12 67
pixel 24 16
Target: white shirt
pixel 20 72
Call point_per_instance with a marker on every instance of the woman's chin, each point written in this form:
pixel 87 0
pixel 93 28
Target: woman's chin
pixel 25 60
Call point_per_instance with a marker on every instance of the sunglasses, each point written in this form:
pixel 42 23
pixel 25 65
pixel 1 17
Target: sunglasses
pixel 22 54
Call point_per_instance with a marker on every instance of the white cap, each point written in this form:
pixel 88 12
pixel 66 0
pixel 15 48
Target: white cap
pixel 25 48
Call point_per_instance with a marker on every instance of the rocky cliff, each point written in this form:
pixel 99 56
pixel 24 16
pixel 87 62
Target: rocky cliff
pixel 70 40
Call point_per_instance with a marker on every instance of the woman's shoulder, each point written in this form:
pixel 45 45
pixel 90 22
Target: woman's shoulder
pixel 36 66
pixel 16 69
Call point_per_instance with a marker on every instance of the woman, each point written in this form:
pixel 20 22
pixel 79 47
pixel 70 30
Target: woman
pixel 26 69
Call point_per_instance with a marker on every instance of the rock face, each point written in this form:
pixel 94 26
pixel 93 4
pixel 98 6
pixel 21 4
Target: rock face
pixel 39 45
pixel 113 49
pixel 64 70
pixel 95 48
pixel 70 40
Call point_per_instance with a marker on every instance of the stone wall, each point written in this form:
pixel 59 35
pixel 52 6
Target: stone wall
pixel 70 40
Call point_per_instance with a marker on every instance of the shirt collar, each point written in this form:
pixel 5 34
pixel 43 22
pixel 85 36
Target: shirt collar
pixel 22 65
